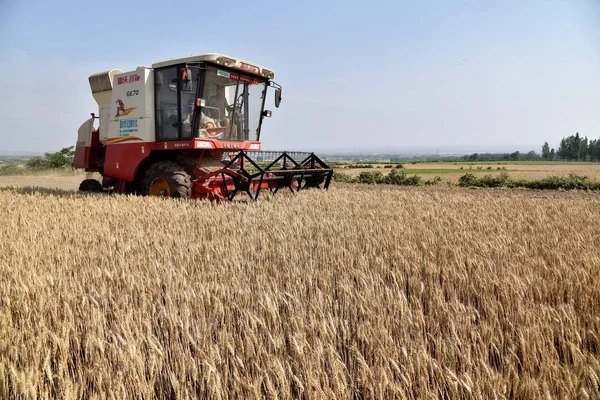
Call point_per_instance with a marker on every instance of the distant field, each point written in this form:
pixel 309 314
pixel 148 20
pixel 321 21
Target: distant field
pixel 516 162
pixel 451 171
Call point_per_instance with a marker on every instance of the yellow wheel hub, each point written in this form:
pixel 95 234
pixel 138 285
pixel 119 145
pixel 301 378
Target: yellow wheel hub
pixel 160 187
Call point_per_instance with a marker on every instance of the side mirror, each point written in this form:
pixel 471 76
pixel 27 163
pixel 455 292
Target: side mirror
pixel 277 97
pixel 267 113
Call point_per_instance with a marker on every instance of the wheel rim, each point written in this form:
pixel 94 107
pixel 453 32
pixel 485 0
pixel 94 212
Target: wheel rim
pixel 160 187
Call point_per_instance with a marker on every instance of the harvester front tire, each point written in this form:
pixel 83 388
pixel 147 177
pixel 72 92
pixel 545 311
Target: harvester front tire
pixel 167 179
pixel 90 186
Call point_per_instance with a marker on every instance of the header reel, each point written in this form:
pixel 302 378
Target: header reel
pixel 251 172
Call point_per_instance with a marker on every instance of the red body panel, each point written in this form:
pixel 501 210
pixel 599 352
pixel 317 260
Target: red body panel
pixel 122 160
pixel 204 144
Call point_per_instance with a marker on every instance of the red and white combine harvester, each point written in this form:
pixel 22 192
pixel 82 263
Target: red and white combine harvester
pixel 189 127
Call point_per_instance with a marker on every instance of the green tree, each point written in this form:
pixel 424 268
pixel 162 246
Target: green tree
pixel 572 147
pixel 530 156
pixel 552 154
pixel 564 150
pixel 593 150
pixel 582 149
pixel 546 151
pixel 60 159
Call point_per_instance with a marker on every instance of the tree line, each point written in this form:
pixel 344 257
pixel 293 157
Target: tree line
pixel 571 148
pixel 575 148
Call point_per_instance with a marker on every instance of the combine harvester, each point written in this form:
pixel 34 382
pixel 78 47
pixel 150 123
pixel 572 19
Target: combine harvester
pixel 189 127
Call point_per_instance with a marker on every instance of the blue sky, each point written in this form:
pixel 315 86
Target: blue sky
pixel 453 75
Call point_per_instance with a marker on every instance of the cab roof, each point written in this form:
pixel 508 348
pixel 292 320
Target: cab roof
pixel 220 59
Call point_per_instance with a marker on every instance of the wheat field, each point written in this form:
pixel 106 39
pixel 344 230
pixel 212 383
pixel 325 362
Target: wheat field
pixel 359 292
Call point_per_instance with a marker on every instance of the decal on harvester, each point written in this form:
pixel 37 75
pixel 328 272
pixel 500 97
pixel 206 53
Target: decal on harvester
pixel 235 77
pixel 128 79
pixel 121 110
pixel 122 139
pixel 245 79
pixel 127 127
pixel 249 67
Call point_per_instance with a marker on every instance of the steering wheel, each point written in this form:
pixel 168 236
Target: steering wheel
pixel 236 106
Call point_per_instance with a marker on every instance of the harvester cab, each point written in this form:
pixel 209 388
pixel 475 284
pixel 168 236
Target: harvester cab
pixel 189 127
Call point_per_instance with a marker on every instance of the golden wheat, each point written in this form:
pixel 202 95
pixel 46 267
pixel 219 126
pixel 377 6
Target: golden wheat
pixel 358 292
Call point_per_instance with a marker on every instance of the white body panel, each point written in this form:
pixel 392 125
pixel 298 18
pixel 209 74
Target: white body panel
pixel 126 99
pixel 101 85
pixel 220 59
pixel 131 113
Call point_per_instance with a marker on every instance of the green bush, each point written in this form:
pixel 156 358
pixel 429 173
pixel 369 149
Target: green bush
pixel 344 178
pixel 359 166
pixel 484 181
pixel 494 181
pixel 413 180
pixel 395 177
pixel 61 159
pixel 370 178
pixel 571 182
pixel 468 180
pixel 433 181
pixel 37 163
pixel 11 168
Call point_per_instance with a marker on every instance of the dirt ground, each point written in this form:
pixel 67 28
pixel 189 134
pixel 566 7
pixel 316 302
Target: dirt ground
pixel 62 182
